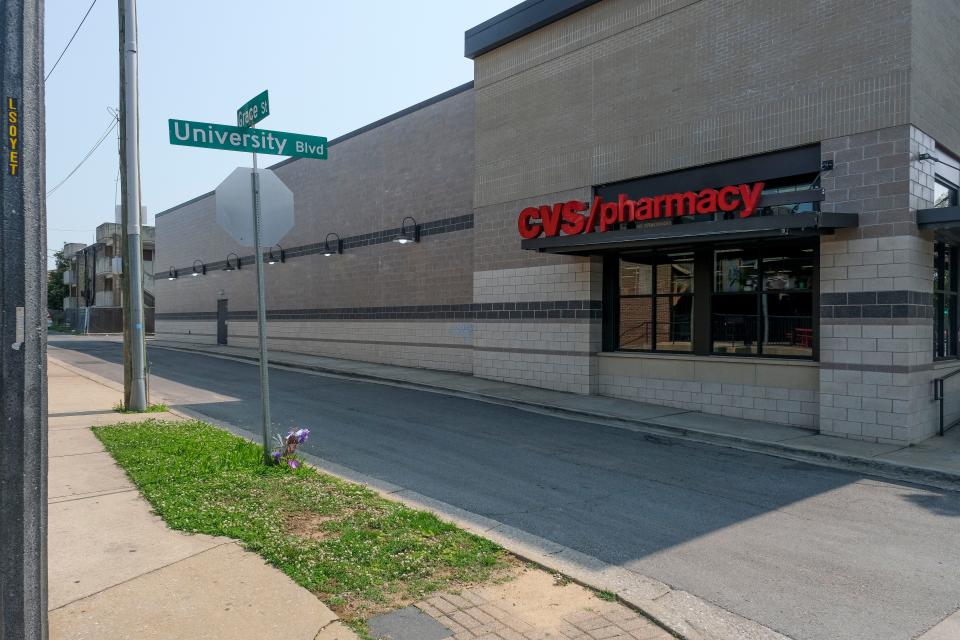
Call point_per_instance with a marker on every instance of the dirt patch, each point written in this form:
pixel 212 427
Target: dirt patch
pixel 308 525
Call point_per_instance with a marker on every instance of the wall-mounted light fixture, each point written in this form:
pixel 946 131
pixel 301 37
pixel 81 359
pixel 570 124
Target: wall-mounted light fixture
pixel 232 266
pixel 336 248
pixel 928 156
pixel 274 258
pixel 172 274
pixel 409 233
pixel 199 271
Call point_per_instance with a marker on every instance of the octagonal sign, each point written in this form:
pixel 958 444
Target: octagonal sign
pixel 234 202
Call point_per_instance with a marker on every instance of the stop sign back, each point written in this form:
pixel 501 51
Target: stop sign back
pixel 234 203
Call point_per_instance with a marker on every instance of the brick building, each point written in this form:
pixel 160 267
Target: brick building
pixel 744 208
pixel 94 302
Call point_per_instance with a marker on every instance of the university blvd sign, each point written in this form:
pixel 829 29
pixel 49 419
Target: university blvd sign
pixel 223 136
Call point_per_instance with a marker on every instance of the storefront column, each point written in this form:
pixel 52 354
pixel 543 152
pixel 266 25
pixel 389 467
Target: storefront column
pixel 539 318
pixel 876 335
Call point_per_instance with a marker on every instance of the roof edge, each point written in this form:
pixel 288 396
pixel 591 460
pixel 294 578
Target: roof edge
pixel 518 21
pixel 352 134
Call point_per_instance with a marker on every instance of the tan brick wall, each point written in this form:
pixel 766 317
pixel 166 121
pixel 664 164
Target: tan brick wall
pixel 784 393
pixel 431 345
pixel 418 165
pixel 628 88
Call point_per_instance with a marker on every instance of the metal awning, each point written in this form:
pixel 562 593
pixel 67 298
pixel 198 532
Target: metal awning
pixel 800 224
pixel 944 221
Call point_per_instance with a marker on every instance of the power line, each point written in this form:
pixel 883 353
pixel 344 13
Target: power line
pixel 49 73
pixel 89 153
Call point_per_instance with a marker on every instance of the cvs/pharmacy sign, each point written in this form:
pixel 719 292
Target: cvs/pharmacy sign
pixel 575 216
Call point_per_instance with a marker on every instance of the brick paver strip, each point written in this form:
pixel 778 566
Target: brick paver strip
pixel 455 627
pixel 456 600
pixel 470 616
pixel 480 615
pixel 442 605
pixel 464 620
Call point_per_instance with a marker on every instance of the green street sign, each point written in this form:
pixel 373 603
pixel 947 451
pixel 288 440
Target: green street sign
pixel 223 136
pixel 254 111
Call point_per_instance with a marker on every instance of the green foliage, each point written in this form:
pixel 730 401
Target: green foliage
pixel 56 289
pixel 153 408
pixel 358 552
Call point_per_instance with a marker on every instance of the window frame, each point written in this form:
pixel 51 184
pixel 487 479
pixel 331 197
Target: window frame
pixel 945 298
pixel 701 325
pixel 760 251
pixel 654 296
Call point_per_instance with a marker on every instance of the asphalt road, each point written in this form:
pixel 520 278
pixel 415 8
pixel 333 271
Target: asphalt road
pixel 815 553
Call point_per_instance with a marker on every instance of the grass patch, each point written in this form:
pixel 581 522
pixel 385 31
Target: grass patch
pixel 153 408
pixel 63 328
pixel 359 553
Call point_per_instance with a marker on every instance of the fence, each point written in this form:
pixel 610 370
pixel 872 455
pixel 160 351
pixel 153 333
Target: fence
pixel 104 319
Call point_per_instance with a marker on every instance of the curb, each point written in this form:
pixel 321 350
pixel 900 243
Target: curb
pixel 847 462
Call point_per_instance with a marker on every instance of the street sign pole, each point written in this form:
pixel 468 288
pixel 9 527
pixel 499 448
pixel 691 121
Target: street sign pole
pixel 265 425
pixel 230 199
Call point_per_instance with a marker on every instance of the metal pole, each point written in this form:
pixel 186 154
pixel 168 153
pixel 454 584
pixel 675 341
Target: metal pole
pixel 131 199
pixel 23 338
pixel 261 316
pixel 940 384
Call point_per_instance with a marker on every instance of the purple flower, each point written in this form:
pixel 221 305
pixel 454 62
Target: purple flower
pixel 302 435
pixel 276 457
pixel 293 463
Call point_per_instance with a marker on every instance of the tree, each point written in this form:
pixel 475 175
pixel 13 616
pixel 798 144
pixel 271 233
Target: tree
pixel 56 289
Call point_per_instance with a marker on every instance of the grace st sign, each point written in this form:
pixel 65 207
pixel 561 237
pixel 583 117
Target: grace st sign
pixel 254 111
pixel 223 136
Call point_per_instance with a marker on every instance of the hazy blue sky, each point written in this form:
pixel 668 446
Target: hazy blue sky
pixel 330 66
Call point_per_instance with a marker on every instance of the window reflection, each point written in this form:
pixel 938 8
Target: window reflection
pixel 763 300
pixel 944 194
pixel 735 270
pixel 656 302
pixel 945 326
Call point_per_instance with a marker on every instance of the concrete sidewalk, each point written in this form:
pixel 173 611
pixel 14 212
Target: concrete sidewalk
pixel 117 572
pixel 935 461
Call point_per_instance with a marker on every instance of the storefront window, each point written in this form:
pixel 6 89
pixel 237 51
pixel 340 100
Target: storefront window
pixel 756 299
pixel 636 303
pixel 656 302
pixel 945 301
pixel 762 302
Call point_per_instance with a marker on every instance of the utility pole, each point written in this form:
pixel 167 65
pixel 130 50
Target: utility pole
pixel 134 335
pixel 23 339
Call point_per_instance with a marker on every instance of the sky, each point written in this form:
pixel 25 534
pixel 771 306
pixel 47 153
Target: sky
pixel 330 67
